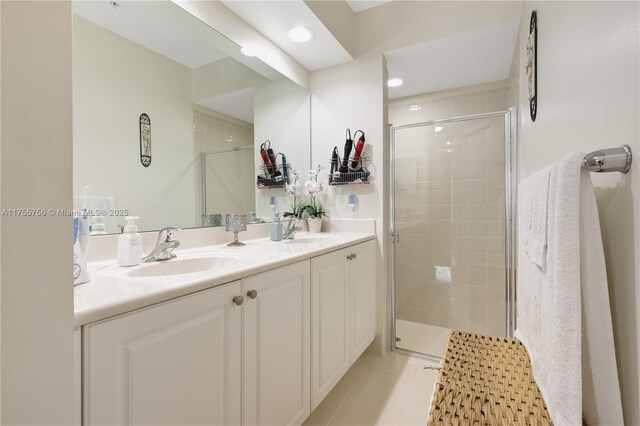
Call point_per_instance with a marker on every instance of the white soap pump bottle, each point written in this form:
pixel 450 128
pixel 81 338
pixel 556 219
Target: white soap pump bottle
pixel 130 244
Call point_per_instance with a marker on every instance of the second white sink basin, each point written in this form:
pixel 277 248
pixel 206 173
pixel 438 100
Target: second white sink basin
pixel 307 238
pixel 189 265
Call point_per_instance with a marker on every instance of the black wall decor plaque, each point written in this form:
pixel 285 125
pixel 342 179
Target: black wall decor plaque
pixel 532 65
pixel 145 140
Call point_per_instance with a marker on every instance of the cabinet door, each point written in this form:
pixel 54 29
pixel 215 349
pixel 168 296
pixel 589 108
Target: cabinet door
pixel 363 276
pixel 330 323
pixel 276 368
pixel 178 363
pixel 77 378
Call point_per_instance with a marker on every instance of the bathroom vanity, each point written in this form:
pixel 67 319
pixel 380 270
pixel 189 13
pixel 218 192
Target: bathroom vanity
pixel 257 340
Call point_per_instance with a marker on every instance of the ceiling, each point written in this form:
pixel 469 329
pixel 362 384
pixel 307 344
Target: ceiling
pixel 238 104
pixel 142 23
pixel 479 56
pixel 274 18
pixel 360 5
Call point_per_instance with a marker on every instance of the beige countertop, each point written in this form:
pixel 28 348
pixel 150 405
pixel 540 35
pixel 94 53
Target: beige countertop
pixel 112 291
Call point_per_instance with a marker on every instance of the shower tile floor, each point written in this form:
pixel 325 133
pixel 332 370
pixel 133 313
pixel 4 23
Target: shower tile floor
pixel 423 338
pixel 379 390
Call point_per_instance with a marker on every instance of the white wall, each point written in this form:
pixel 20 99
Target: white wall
pixel 588 82
pixel 36 286
pixel 353 96
pixel 281 115
pixel 116 80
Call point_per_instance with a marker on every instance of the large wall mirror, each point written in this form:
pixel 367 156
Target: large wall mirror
pixel 196 153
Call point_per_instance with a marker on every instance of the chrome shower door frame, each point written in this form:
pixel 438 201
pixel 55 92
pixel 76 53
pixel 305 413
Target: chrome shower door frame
pixel 510 121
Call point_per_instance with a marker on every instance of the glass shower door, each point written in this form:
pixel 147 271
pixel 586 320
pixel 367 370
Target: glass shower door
pixel 227 182
pixel 449 209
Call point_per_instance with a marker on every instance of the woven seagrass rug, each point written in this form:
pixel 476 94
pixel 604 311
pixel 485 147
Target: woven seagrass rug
pixel 486 380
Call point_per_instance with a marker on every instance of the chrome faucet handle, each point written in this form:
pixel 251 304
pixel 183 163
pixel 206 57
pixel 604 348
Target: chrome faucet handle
pixel 166 234
pixel 291 229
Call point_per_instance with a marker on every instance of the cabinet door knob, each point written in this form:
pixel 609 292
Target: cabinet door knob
pixel 252 294
pixel 238 300
pixel 349 257
pixel 354 256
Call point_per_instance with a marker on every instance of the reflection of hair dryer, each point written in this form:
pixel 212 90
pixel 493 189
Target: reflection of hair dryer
pixel 344 167
pixel 285 172
pixel 335 161
pixel 272 158
pixel 267 161
pixel 359 149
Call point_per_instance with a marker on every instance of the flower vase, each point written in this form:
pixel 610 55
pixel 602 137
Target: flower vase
pixel 315 224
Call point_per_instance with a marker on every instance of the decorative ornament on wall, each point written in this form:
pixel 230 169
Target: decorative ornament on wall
pixel 145 140
pixel 532 66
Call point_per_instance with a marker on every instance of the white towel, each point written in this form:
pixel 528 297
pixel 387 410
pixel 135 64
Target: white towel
pixel 533 229
pixel 556 305
pixel 601 401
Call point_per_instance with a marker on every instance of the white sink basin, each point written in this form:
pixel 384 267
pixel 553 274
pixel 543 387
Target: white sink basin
pixel 306 240
pixel 188 265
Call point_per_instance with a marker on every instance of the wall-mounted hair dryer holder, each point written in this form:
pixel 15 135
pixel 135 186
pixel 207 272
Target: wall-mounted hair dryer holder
pixel 354 176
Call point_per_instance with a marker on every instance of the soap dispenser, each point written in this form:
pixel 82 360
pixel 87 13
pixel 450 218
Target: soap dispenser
pixel 130 244
pixel 276 228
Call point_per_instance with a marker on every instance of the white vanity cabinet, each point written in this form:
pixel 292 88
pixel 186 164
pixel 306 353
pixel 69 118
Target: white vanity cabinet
pixel 77 377
pixel 234 354
pixel 343 294
pixel 261 351
pixel 178 363
pixel 277 344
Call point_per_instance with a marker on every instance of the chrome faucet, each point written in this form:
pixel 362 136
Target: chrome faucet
pixel 164 246
pixel 291 230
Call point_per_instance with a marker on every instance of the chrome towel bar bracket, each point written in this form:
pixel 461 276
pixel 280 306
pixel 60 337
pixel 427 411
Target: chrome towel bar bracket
pixel 608 160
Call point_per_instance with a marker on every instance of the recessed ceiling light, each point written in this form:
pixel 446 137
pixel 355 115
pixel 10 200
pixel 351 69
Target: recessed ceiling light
pixel 395 82
pixel 247 52
pixel 438 129
pixel 300 33
pixel 415 108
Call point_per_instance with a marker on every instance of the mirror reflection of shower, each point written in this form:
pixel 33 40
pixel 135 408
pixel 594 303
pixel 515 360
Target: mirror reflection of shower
pixel 227 184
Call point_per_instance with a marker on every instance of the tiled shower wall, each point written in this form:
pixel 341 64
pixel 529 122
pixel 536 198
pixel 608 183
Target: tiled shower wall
pixel 450 211
pixel 230 182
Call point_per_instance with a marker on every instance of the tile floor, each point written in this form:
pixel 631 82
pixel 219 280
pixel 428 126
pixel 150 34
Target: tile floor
pixel 423 338
pixel 379 390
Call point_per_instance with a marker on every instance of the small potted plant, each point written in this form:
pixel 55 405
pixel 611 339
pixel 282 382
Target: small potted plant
pixel 294 189
pixel 313 210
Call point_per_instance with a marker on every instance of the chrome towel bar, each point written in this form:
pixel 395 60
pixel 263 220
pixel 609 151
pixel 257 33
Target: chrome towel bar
pixel 608 160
